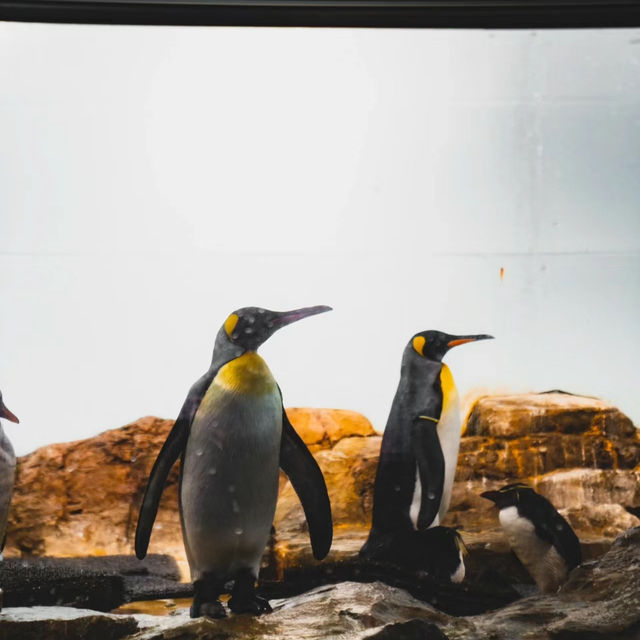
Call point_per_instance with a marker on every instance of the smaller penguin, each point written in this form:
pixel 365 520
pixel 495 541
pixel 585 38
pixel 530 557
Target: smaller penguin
pixel 438 551
pixel 542 539
pixel 7 473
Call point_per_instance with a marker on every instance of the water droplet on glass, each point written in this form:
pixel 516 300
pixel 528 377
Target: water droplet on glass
pixel 199 452
pixel 397 487
pixel 248 330
pixel 238 531
pixel 260 311
pixel 431 495
pixel 212 471
pixel 133 458
pixel 232 488
pixel 250 319
pixel 235 506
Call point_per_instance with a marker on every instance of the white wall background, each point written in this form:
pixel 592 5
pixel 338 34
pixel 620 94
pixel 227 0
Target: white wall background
pixel 154 179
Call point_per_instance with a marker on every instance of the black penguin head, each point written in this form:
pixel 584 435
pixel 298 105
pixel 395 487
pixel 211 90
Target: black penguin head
pixel 5 413
pixel 249 327
pixel 509 496
pixel 432 345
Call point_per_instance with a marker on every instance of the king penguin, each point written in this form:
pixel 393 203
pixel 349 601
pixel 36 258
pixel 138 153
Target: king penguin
pixel 542 539
pixel 233 435
pixel 420 444
pixel 7 473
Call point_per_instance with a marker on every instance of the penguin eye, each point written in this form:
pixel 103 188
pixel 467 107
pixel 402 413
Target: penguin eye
pixel 230 323
pixel 418 344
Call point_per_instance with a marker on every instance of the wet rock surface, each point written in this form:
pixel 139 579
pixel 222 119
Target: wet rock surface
pixel 60 623
pixel 601 601
pixel 94 583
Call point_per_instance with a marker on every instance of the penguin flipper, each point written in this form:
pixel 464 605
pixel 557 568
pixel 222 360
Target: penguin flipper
pixel 557 531
pixel 171 450
pixel 307 480
pixel 430 463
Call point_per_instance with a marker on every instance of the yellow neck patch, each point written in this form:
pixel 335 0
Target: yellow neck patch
pixel 418 344
pixel 449 391
pixel 230 324
pixel 247 374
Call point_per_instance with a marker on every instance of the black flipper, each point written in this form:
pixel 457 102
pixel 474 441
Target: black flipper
pixel 171 450
pixel 307 480
pixel 430 463
pixel 553 528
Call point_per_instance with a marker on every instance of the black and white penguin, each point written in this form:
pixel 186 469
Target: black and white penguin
pixel 420 444
pixel 437 551
pixel 7 473
pixel 542 539
pixel 233 435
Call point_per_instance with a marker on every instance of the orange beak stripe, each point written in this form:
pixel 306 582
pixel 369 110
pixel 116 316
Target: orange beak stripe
pixel 455 343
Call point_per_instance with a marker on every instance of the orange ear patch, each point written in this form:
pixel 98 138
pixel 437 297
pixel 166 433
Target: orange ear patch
pixel 418 344
pixel 230 324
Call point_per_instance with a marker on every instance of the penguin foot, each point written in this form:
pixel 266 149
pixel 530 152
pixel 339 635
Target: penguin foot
pixel 213 610
pixel 255 605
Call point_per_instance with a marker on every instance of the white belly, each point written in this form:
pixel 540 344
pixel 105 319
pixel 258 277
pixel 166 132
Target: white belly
pixel 458 575
pixel 230 483
pixel 449 432
pixel 544 563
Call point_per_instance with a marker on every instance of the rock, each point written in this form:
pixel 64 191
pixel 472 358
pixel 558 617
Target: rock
pixel 526 435
pixel 82 498
pixel 601 600
pixel 99 583
pixel 52 581
pixel 322 428
pixel 412 630
pixel 60 623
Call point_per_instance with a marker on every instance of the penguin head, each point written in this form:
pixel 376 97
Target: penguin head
pixel 432 345
pixel 509 496
pixel 249 327
pixel 5 413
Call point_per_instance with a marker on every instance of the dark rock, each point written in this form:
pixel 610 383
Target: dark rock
pixel 59 581
pixel 412 630
pixel 57 623
pixel 100 583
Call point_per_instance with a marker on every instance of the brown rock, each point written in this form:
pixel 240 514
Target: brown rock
pixel 82 498
pixel 322 428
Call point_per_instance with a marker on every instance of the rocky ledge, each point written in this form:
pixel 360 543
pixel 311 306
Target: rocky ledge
pixel 601 601
pixel 82 499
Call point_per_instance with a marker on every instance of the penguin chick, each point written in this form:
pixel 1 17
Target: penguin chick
pixel 420 444
pixel 7 473
pixel 542 539
pixel 233 435
pixel 438 551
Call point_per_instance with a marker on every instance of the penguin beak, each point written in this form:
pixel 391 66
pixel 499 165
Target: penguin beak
pixel 458 340
pixel 5 413
pixel 287 317
pixel 490 495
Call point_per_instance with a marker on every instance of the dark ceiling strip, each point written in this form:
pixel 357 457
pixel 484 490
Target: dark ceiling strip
pixel 346 13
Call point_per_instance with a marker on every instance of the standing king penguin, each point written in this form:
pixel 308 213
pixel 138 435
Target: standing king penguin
pixel 233 435
pixel 7 473
pixel 542 539
pixel 420 444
